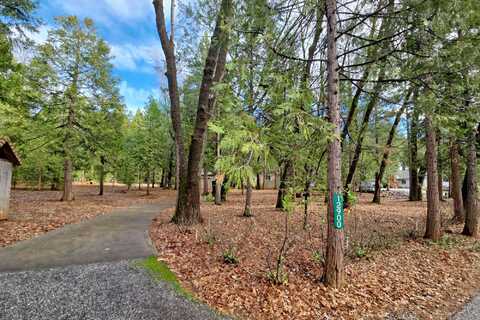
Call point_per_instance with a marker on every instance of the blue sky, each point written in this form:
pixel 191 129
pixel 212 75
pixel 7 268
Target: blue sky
pixel 129 28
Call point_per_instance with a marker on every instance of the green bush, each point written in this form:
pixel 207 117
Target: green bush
pixel 229 256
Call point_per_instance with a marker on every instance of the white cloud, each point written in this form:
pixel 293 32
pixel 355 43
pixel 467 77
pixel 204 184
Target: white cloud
pixel 41 35
pixel 104 10
pixel 25 54
pixel 135 98
pixel 143 58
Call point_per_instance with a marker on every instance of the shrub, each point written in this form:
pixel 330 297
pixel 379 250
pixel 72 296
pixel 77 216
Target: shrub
pixel 278 277
pixel 318 257
pixel 229 256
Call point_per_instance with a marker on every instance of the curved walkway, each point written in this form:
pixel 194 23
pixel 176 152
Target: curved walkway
pixel 88 271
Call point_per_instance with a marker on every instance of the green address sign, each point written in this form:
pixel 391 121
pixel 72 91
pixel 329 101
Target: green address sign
pixel 338 216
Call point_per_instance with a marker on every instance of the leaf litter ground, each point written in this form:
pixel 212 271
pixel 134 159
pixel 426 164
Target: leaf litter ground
pixel 392 273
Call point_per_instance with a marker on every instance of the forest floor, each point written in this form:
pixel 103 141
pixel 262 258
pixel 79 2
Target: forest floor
pixel 392 273
pixel 35 212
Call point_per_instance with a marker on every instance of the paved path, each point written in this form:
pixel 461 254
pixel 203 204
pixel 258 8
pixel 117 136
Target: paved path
pixel 471 311
pixel 89 271
pixel 111 237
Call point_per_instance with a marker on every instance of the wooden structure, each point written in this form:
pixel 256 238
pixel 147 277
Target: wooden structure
pixel 8 159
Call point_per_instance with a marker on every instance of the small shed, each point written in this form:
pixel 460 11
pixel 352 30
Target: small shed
pixel 8 159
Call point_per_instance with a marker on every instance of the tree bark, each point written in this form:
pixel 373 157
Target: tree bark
pixel 471 227
pixel 422 171
pixel 440 168
pixel 39 184
pixel 388 146
pixel 170 171
pixel 282 189
pixel 414 194
pixel 433 228
pixel 162 179
pixel 248 201
pixel 361 134
pixel 67 146
pixel 102 175
pixel 334 272
pixel 205 180
pixel 168 47
pixel 455 185
pixel 153 179
pixel 148 182
pixel 188 205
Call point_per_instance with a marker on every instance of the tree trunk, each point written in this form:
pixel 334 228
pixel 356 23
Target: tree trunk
pixel 334 273
pixel 218 175
pixel 218 189
pixel 413 167
pixel 168 47
pixel 67 163
pixel 223 189
pixel 39 184
pixel 455 185
pixel 170 172
pixel 440 168
pixel 284 181
pixel 148 182
pixel 188 205
pixel 354 105
pixel 139 181
pixel 471 227
pixel 102 175
pixel 360 85
pixel 258 186
pixel 361 134
pixel 434 219
pixel 422 171
pixel 162 179
pixel 264 174
pixel 388 146
pixel 153 179
pixel 205 180
pixel 248 201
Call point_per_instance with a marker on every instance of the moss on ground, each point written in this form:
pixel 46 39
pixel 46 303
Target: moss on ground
pixel 160 272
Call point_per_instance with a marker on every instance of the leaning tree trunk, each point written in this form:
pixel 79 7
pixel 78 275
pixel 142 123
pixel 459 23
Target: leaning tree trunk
pixel 455 185
pixel 371 54
pixel 334 273
pixel 388 146
pixel 168 47
pixel 248 200
pixel 361 134
pixel 471 227
pixel 433 229
pixel 188 206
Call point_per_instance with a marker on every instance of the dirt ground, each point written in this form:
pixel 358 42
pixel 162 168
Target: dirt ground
pixel 392 273
pixel 35 212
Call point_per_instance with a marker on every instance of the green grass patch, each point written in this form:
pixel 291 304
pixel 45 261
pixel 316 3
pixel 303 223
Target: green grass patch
pixel 160 272
pixel 446 242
